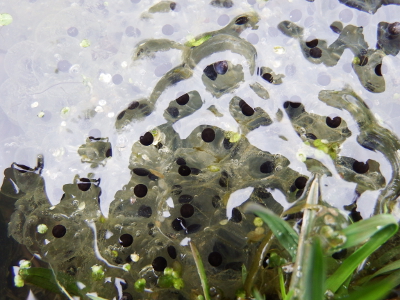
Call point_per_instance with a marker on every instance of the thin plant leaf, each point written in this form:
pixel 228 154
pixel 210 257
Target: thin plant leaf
pixel 376 290
pixel 285 234
pixel 95 297
pixel 200 270
pixel 289 295
pixel 257 295
pixel 244 273
pixel 358 233
pixel 315 273
pixel 303 268
pixel 350 264
pixel 386 269
pixel 282 283
pixel 45 279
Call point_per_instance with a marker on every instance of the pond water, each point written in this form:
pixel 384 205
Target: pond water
pixel 128 128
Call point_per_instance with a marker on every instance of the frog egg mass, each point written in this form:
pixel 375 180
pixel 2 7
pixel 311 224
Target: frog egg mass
pixel 135 130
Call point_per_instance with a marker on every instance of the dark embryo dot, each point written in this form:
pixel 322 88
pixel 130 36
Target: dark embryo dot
pixel 268 77
pixel 315 52
pixel 126 240
pixel 121 115
pixel 140 190
pixel 59 231
pixel 84 184
pixel 159 264
pixel 333 123
pixel 187 210
pixel 173 111
pixel 182 100
pixel 378 70
pixel 178 224
pixel 145 211
pixel 146 139
pixel 221 67
pixel 300 182
pixel 185 198
pixel 176 189
pixel 312 44
pixel 180 161
pixel 215 259
pixel 126 296
pixel 241 20
pixel 141 171
pixel 236 215
pixel 247 110
pixel 193 228
pixel 209 71
pixel 184 170
pixel 267 167
pixel 360 167
pixel 171 251
pixel 133 105
pixel 208 135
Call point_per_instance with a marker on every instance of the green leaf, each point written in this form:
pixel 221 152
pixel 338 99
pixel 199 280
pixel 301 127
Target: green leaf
pixel 281 229
pixel 244 273
pixel 358 233
pixel 44 278
pixel 376 290
pixel 257 295
pixel 350 264
pixel 386 269
pixel 200 270
pixel 315 273
pixel 282 283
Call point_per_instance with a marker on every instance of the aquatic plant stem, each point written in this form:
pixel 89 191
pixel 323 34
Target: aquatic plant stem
pixel 304 246
pixel 257 263
pixel 200 270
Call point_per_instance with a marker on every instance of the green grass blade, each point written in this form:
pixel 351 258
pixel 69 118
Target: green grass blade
pixel 376 290
pixel 201 271
pixel 350 264
pixel 386 269
pixel 257 295
pixel 244 273
pixel 282 282
pixel 285 234
pixel 358 233
pixel 95 297
pixel 315 273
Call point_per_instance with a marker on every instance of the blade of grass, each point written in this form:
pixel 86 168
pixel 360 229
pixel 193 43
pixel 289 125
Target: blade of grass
pixel 200 270
pixel 282 283
pixel 350 264
pixel 315 273
pixel 244 274
pixel 303 273
pixel 358 233
pixel 285 234
pixel 257 295
pixel 376 290
pixel 386 269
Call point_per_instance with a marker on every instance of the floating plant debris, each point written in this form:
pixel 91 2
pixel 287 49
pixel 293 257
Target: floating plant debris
pixel 176 130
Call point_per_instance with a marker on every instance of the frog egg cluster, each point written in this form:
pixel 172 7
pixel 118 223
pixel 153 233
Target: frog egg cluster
pixel 156 127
